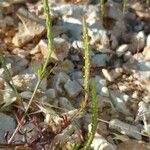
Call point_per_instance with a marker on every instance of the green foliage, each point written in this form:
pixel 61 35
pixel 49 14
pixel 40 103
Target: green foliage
pixel 94 117
pixel 87 62
pixel 102 8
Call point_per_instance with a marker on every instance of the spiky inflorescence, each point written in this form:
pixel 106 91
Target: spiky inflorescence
pixel 87 61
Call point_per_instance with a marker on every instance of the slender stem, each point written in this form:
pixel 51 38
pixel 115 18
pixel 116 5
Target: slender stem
pixel 102 8
pixel 49 31
pixel 49 37
pixel 124 6
pixel 32 97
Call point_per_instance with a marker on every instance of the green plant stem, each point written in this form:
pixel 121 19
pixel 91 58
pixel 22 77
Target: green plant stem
pixel 94 118
pixel 49 31
pixel 49 37
pixel 102 8
pixel 43 70
pixel 124 6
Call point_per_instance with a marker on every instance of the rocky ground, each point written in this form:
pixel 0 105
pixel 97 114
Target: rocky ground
pixel 120 65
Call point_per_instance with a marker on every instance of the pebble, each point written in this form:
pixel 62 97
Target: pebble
pixel 107 75
pixel 125 128
pixel 99 60
pixel 60 49
pixel 77 75
pixel 64 103
pixel 51 93
pixel 7 124
pixel 59 79
pixel 73 88
pixel 148 40
pixel 20 52
pixel 146 53
pixel 105 91
pixel 122 49
pixel 19 65
pixel 66 66
pixel 127 55
pixel 26 80
pixel 26 95
pixel 137 41
pixel 33 26
pixel 100 143
pixel 9 21
pixel 119 103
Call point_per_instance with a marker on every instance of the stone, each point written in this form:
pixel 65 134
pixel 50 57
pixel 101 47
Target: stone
pixel 107 75
pixel 66 66
pixel 26 95
pixel 100 143
pixel 64 103
pixel 7 124
pixel 133 144
pixel 137 41
pixel 139 66
pixel 77 75
pixel 125 128
pixel 51 93
pixel 73 88
pixel 19 65
pixel 31 25
pixel 101 85
pixel 99 60
pixel 122 49
pixel 146 53
pixel 119 103
pixel 60 49
pixel 127 55
pixel 20 52
pixel 105 91
pixel 115 73
pixel 26 80
pixel 9 21
pixel 58 80
pixel 148 40
pixel 99 36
